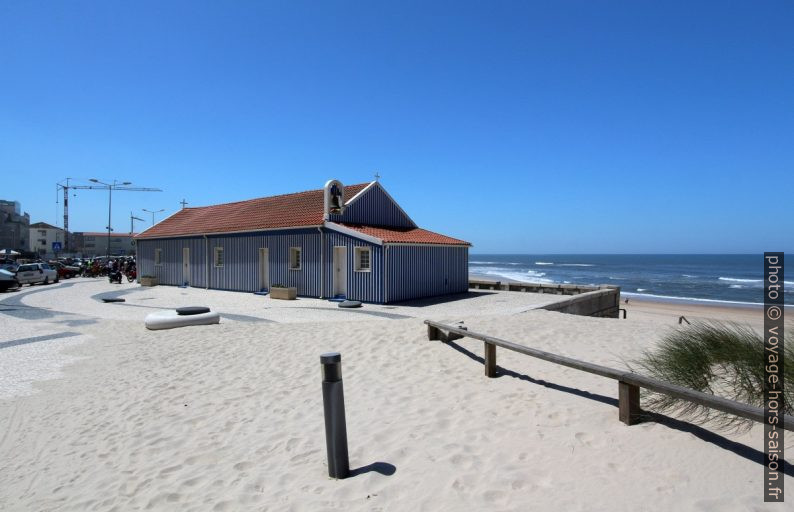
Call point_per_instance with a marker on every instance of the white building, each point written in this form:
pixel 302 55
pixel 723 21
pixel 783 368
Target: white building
pixel 92 244
pixel 42 238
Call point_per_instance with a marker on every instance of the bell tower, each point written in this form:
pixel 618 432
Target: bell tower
pixel 334 199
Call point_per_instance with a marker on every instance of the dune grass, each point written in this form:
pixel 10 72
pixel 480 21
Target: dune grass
pixel 724 359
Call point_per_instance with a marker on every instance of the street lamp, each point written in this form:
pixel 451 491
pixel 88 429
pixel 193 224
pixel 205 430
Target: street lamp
pixel 153 212
pixel 110 187
pixel 133 218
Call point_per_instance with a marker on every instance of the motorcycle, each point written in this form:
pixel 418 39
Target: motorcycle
pixel 114 276
pixel 93 271
pixel 131 275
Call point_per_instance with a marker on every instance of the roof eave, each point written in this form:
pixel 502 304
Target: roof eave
pixel 221 233
pixel 426 244
pixel 352 232
pixel 165 219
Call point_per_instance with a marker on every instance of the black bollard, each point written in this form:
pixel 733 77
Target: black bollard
pixel 334 406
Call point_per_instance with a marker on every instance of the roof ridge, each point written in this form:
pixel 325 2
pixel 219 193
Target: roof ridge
pixel 271 197
pixel 291 210
pixel 361 225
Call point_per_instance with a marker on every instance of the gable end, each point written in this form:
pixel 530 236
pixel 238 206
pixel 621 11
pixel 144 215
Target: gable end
pixel 374 206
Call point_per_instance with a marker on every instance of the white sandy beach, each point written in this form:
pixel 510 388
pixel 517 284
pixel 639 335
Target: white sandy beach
pixel 229 416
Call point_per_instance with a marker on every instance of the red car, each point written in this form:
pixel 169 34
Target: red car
pixel 64 271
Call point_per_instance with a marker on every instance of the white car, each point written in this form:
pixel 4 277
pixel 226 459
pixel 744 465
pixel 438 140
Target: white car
pixel 32 273
pixel 8 280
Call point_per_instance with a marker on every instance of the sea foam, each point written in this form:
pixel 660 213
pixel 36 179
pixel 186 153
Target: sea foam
pixel 737 280
pixel 756 281
pixel 524 277
pixel 693 299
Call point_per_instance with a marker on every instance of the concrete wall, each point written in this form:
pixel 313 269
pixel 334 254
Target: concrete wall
pixel 602 301
pixel 556 289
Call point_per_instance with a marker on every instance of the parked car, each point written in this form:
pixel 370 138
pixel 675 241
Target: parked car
pixel 64 271
pixel 10 266
pixel 32 273
pixel 8 280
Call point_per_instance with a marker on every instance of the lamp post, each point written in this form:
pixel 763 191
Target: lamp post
pixel 153 212
pixel 133 218
pixel 110 187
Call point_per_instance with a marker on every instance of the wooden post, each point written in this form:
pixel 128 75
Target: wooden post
pixel 433 333
pixel 628 403
pixel 490 359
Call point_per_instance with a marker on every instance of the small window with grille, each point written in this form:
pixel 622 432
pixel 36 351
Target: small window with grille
pixel 294 258
pixel 363 259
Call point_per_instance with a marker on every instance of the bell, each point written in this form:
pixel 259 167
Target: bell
pixel 335 207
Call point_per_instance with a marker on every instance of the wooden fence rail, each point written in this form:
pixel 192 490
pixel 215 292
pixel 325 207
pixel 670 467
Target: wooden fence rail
pixel 629 383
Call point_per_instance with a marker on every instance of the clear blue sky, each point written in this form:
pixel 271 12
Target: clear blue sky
pixel 539 127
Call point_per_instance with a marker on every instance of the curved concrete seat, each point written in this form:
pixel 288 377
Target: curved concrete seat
pixel 350 304
pixel 171 319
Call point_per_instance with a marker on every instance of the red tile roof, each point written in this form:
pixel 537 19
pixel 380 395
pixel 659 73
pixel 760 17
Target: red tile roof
pixel 405 235
pixel 284 211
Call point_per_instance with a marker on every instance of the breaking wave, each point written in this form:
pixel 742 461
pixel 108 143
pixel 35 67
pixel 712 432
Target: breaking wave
pixel 524 277
pixel 737 280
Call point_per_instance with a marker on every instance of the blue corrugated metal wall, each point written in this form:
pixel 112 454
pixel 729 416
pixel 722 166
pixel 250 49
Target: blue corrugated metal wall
pixel 170 272
pixel 241 266
pixel 425 271
pixel 363 286
pixel 241 260
pixel 374 208
pixel 411 271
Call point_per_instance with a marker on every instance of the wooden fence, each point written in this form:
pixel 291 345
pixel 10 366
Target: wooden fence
pixel 629 383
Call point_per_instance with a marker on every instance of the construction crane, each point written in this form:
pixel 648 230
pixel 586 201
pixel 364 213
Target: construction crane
pixel 133 218
pixel 66 187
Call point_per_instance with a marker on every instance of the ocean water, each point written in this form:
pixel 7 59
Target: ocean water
pixel 734 278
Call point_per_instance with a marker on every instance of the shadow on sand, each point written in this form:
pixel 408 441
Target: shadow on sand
pixel 701 433
pixel 442 299
pixel 384 468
